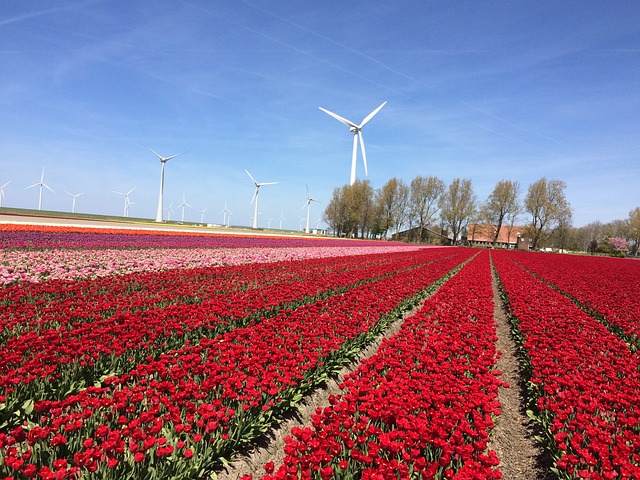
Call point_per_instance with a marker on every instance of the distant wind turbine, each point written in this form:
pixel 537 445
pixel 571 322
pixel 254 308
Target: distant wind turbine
pixel 357 135
pixel 163 160
pixel 73 203
pixel 226 214
pixel 281 219
pixel 2 191
pixel 308 205
pixel 41 184
pixel 202 215
pixel 127 203
pixel 182 205
pixel 169 211
pixel 255 196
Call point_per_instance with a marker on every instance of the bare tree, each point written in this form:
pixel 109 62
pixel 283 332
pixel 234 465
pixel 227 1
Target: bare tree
pixel 548 206
pixel 424 200
pixel 360 205
pixel 458 206
pixel 502 206
pixel 336 213
pixel 391 201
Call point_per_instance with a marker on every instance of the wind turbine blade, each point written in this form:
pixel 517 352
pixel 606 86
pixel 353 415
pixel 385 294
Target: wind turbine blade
pixel 255 194
pixel 364 153
pixel 253 179
pixel 348 123
pixel 268 183
pixel 6 184
pixel 166 159
pixel 31 186
pixel 371 115
pixel 48 187
pixel 153 151
pixel 131 190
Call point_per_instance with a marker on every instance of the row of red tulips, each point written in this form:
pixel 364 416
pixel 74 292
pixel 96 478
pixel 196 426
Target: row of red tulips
pixel 72 343
pixel 178 415
pixel 583 380
pixel 606 287
pixel 422 406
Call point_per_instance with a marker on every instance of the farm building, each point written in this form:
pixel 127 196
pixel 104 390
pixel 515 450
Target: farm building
pixel 511 237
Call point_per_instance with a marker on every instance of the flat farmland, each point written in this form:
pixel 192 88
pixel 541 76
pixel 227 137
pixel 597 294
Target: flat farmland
pixel 174 355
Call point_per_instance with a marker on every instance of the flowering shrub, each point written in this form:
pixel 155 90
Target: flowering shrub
pixel 618 244
pixel 583 380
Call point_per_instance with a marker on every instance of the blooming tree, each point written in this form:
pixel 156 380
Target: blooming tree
pixel 617 244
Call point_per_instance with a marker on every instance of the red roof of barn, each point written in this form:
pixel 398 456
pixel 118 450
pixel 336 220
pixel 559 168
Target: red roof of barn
pixel 485 233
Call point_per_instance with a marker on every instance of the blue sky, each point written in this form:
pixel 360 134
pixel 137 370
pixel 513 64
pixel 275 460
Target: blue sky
pixel 486 90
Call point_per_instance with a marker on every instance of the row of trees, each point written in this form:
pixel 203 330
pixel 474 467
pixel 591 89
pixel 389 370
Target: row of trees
pixel 430 209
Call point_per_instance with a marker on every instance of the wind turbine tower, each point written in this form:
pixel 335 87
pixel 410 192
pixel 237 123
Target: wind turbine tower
pixel 226 215
pixel 127 203
pixel 2 191
pixel 41 184
pixel 255 196
pixel 163 160
pixel 281 219
pixel 357 136
pixel 73 202
pixel 182 205
pixel 308 205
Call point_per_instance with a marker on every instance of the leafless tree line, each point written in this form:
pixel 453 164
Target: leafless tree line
pixel 428 210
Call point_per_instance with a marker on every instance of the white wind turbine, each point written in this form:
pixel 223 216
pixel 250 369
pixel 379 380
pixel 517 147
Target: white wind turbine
pixel 357 135
pixel 182 205
pixel 163 160
pixel 127 203
pixel 73 202
pixel 255 196
pixel 41 184
pixel 202 215
pixel 2 191
pixel 281 219
pixel 169 211
pixel 308 205
pixel 226 214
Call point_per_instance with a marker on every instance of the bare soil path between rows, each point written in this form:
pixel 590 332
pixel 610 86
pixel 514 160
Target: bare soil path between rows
pixel 513 436
pixel 512 439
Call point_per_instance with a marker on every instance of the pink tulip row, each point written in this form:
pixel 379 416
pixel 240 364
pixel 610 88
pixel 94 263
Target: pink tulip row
pixel 41 265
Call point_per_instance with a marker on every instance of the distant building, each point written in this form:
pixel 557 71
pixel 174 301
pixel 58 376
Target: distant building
pixel 513 237
pixel 426 235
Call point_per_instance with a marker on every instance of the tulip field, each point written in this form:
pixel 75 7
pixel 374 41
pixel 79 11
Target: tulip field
pixel 163 355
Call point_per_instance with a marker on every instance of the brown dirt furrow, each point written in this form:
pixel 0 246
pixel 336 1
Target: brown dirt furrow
pixel 513 437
